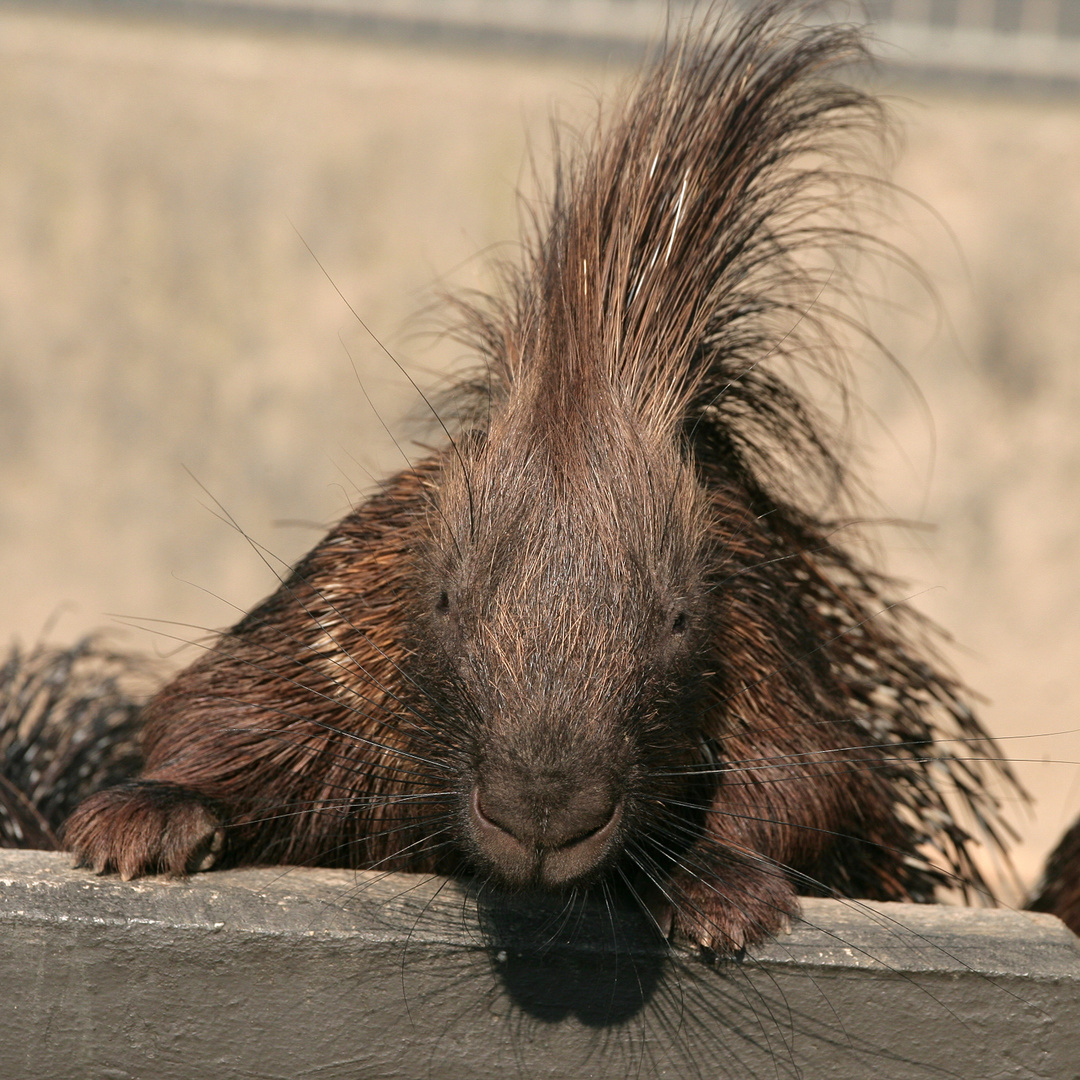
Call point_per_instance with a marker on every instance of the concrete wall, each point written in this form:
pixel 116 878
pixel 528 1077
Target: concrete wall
pixel 300 973
pixel 159 312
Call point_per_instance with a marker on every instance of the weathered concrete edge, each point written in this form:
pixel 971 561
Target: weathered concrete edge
pixel 281 973
pixel 369 909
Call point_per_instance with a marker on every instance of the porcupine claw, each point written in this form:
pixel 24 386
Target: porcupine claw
pixel 740 910
pixel 662 914
pixel 146 827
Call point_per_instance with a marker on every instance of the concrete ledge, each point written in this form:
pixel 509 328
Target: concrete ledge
pixel 321 973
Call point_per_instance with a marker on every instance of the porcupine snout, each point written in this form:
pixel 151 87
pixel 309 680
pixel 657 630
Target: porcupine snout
pixel 546 828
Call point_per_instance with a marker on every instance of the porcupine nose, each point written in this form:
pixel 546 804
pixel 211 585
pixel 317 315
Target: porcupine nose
pixel 543 830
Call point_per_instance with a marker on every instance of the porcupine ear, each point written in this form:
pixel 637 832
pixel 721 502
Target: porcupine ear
pixel 685 236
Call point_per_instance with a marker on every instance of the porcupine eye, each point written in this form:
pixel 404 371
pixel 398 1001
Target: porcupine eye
pixel 442 605
pixel 678 624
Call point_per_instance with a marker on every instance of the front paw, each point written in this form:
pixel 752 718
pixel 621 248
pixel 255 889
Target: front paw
pixel 146 827
pixel 737 906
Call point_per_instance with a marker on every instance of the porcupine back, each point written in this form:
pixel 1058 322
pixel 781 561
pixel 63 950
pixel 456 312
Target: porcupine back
pixel 620 546
pixel 68 726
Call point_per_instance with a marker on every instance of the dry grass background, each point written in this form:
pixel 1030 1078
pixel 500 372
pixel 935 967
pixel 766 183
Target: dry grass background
pixel 158 312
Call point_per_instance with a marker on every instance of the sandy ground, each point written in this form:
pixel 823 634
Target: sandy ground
pixel 163 330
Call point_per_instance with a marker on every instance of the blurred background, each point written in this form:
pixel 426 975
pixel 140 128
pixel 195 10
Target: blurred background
pixel 169 346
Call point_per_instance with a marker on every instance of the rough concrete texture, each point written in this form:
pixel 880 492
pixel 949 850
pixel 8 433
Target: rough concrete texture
pixel 289 973
pixel 158 311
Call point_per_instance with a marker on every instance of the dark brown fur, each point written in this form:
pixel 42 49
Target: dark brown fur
pixel 1060 890
pixel 611 608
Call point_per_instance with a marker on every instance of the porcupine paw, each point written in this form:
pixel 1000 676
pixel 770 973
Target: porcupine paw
pixel 725 914
pixel 145 827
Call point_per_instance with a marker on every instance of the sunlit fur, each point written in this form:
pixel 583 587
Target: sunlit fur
pixel 618 571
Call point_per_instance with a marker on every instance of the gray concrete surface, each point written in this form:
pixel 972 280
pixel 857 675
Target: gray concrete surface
pixel 288 973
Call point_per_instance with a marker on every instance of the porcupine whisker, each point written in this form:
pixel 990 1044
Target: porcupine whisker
pixel 401 823
pixel 662 884
pixel 327 851
pixel 408 941
pixel 358 887
pixel 968 880
pixel 928 740
pixel 803 758
pixel 827 756
pixel 896 926
pixel 332 729
pixel 556 923
pixel 879 762
pixel 681 990
pixel 656 874
pixel 351 736
pixel 644 1034
pixel 423 842
pixel 376 770
pixel 285 583
pixel 894 744
pixel 705 877
pixel 345 807
pixel 677 900
pixel 858 766
pixel 638 898
pixel 675 824
pixel 393 359
pixel 918 782
pixel 801 553
pixel 612 924
pixel 425 730
pixel 339 684
pixel 385 426
pixel 896 972
pixel 424 845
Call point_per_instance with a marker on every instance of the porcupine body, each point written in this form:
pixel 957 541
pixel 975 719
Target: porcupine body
pixel 603 636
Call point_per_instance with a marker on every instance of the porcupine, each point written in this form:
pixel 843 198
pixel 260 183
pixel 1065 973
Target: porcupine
pixel 603 634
